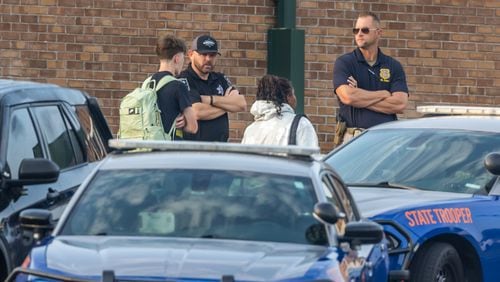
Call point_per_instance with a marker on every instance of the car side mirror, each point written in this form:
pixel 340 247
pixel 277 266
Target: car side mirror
pixel 38 221
pixel 327 213
pixel 363 232
pixel 35 171
pixel 492 163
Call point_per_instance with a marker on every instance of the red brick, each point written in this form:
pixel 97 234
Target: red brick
pixel 107 47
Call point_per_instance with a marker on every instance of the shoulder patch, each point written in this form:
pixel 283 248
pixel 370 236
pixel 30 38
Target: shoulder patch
pixel 228 81
pixel 185 81
pixel 220 90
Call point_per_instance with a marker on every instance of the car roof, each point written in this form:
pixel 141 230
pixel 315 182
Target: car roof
pixel 213 155
pixel 207 161
pixel 13 92
pixel 462 122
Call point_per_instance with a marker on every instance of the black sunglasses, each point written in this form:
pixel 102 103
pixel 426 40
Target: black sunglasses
pixel 364 30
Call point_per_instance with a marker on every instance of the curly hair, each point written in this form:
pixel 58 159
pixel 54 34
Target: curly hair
pixel 274 89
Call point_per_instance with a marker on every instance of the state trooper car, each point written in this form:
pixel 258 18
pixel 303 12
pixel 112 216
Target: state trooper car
pixel 195 211
pixel 433 184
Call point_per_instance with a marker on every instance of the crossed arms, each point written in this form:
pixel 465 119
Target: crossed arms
pixel 381 101
pixel 231 102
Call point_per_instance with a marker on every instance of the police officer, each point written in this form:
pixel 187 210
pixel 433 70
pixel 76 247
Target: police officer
pixel 370 85
pixel 212 93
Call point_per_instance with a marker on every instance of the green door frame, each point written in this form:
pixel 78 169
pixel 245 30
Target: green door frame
pixel 285 49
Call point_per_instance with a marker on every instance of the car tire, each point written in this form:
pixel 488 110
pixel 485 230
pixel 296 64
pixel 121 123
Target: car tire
pixel 438 262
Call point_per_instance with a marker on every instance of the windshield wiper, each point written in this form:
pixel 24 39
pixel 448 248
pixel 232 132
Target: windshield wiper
pixel 101 234
pixel 211 236
pixel 217 236
pixel 384 184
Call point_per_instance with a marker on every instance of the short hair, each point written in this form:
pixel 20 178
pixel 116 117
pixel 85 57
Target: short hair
pixel 168 46
pixel 370 14
pixel 274 89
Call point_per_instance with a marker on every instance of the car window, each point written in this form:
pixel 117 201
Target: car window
pixel 76 144
pixel 345 200
pixel 22 142
pixel 438 160
pixel 57 135
pixel 197 203
pixel 332 197
pixel 94 142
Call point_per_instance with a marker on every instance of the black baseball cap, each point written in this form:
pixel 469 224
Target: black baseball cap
pixel 205 44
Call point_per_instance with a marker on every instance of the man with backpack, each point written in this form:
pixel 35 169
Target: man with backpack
pixel 161 109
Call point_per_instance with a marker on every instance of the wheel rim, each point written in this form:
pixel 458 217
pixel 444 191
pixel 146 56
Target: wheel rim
pixel 446 274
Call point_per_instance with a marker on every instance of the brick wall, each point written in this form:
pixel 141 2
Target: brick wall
pixel 450 50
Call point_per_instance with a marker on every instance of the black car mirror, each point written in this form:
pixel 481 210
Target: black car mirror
pixel 363 232
pixel 35 171
pixel 327 213
pixel 492 163
pixel 38 221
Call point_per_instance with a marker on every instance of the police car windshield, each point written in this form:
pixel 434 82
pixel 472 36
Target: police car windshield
pixel 196 204
pixel 428 159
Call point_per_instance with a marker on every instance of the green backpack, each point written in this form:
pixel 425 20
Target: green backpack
pixel 139 113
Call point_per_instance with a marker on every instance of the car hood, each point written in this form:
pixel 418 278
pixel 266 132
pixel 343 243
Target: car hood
pixel 372 201
pixel 180 258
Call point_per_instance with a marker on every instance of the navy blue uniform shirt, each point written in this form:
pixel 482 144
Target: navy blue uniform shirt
pixel 208 130
pixel 172 99
pixel 386 74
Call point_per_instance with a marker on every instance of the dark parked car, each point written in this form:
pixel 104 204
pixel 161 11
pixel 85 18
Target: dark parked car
pixel 195 211
pixel 42 125
pixel 433 183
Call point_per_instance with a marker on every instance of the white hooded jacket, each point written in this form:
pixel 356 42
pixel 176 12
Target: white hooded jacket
pixel 269 128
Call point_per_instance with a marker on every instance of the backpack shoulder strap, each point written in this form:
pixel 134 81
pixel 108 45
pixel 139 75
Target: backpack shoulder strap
pixel 146 82
pixel 292 137
pixel 157 85
pixel 164 81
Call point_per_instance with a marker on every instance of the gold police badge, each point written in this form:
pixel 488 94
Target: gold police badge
pixel 385 75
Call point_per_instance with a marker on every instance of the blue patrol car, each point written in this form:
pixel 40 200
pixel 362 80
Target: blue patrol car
pixel 433 184
pixel 194 211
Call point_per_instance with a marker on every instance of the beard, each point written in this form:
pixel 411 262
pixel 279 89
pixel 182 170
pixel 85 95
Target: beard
pixel 204 68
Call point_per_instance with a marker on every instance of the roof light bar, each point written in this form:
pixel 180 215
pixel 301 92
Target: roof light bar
pixel 131 144
pixel 459 110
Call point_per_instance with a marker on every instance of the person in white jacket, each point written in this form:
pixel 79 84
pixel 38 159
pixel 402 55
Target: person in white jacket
pixel 273 113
